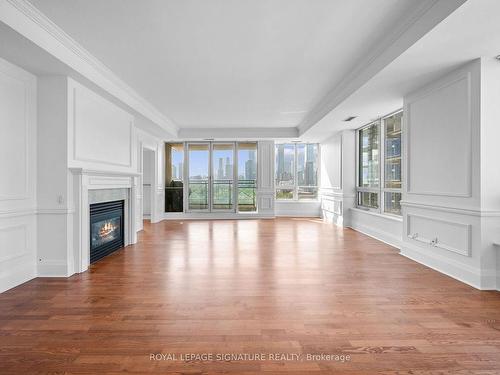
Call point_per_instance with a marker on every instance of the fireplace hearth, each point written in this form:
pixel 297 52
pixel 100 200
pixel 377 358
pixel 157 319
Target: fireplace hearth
pixel 106 228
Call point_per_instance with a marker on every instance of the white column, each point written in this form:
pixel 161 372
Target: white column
pixel 265 178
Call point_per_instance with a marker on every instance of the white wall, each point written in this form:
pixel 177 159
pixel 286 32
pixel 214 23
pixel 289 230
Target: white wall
pixel 490 172
pixel 331 180
pixel 265 178
pixel 386 228
pixel 338 177
pixel 78 131
pixel 18 132
pixel 55 207
pixel 298 208
pixel 50 125
pixel 450 208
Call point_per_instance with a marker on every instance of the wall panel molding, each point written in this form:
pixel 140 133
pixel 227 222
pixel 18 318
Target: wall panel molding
pixel 100 132
pixel 444 115
pixel 17 126
pixel 440 233
pixel 15 239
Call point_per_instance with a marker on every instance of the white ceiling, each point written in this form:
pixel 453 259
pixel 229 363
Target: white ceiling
pixel 227 63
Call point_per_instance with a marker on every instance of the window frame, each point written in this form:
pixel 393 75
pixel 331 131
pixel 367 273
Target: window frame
pixel 295 187
pixel 381 189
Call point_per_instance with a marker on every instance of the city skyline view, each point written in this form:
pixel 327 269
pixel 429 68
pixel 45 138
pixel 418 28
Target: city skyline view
pixel 198 165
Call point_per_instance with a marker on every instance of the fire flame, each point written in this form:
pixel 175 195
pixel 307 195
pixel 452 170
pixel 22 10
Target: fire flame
pixel 106 229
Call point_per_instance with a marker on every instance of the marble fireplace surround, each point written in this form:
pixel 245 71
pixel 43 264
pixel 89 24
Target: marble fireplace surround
pixel 90 186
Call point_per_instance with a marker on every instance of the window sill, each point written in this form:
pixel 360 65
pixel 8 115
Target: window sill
pixel 378 214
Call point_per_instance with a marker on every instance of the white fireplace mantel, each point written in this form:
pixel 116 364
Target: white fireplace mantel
pixel 85 180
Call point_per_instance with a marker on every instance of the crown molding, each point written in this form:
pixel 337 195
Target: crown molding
pixel 234 133
pixel 424 18
pixel 28 21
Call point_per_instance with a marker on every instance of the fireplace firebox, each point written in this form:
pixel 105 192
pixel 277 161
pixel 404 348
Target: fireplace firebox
pixel 106 228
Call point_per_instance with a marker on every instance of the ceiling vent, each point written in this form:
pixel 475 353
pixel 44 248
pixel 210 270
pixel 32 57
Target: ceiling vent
pixel 350 118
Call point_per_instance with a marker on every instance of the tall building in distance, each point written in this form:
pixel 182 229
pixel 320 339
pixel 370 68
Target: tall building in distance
pixel 250 170
pixel 228 169
pixel 310 162
pixel 220 169
pixel 284 169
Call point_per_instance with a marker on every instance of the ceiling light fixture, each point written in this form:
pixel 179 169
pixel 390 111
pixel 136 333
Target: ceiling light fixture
pixel 350 118
pixel 497 57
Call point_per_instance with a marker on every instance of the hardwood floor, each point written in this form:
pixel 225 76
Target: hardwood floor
pixel 291 286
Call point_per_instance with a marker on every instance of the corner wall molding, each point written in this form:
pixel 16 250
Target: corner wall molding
pixel 30 22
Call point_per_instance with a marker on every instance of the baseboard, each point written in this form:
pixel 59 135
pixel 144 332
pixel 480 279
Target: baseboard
pixel 384 237
pixel 216 216
pixel 459 271
pixel 17 276
pixel 52 268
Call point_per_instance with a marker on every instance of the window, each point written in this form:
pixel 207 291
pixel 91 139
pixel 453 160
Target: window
pixel 379 168
pixel 296 171
pixel 247 176
pixel 211 177
pixel 174 153
pixel 369 170
pixel 222 172
pixel 392 162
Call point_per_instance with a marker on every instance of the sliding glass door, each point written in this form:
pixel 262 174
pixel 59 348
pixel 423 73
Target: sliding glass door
pixel 222 177
pixel 211 171
pixel 198 196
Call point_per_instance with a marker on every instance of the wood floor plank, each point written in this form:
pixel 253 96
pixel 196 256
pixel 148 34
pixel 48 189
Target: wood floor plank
pixel 291 286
